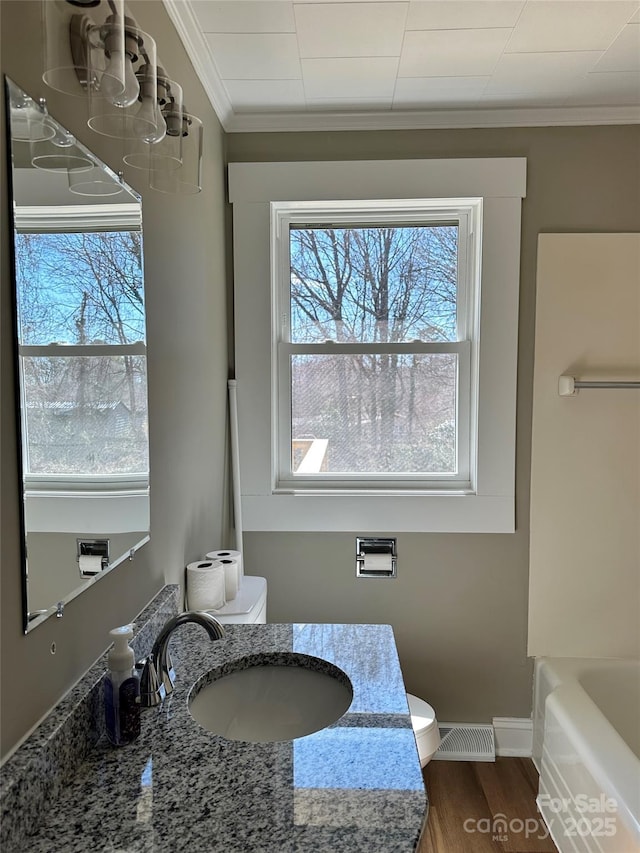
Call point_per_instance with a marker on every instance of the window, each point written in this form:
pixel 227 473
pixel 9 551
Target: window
pixel 81 342
pixel 381 393
pixel 373 351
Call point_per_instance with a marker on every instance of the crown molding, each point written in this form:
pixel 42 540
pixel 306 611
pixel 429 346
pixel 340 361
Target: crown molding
pixel 199 52
pixel 430 119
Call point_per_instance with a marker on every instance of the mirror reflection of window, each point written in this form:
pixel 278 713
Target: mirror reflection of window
pixel 82 367
pixel 81 341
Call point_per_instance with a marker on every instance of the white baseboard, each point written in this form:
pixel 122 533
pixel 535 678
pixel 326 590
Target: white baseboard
pixel 514 736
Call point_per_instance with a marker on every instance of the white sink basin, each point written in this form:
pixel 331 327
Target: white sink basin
pixel 268 698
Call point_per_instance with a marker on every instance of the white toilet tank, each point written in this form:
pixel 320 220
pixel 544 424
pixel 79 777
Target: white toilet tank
pixel 249 605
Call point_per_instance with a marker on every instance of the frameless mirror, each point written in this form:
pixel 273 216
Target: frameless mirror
pixel 81 360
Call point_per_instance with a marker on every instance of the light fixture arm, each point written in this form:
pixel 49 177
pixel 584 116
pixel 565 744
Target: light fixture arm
pixel 79 26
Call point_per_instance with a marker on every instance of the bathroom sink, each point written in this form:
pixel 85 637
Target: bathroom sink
pixel 265 698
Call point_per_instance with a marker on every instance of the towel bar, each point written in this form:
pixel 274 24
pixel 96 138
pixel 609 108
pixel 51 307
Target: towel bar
pixel 568 386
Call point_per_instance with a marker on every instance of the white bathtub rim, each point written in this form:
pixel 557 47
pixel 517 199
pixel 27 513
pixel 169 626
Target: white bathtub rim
pixel 612 763
pixel 551 672
pixel 559 670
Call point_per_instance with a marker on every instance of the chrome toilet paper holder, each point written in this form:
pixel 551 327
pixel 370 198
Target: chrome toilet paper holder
pixel 376 557
pixel 92 548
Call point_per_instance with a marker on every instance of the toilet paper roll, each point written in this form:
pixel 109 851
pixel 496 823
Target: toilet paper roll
pixel 377 563
pixel 227 554
pixel 89 565
pixel 205 585
pixel 231 578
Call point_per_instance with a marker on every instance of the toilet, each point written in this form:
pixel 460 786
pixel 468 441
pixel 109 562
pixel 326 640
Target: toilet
pixel 425 728
pixel 249 605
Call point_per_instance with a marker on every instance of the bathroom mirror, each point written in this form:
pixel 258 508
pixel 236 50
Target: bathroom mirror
pixel 81 360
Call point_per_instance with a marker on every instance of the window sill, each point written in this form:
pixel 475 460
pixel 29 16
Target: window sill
pixel 451 512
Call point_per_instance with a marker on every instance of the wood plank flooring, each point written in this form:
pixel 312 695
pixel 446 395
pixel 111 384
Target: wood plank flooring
pixel 484 807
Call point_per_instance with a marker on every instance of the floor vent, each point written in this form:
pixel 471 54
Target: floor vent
pixel 466 742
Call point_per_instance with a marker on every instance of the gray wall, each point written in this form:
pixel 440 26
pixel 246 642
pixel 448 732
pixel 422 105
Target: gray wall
pixel 185 275
pixel 459 604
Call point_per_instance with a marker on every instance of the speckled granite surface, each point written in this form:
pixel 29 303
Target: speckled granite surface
pixel 353 787
pixel 33 777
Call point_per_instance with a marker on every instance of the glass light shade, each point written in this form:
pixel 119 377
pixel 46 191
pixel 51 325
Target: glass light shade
pixel 29 120
pixel 93 182
pixel 29 124
pixel 65 48
pixel 166 152
pixel 188 177
pixel 54 158
pixel 110 114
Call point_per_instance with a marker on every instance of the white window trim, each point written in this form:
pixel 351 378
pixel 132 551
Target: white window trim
pixel 77 217
pixel 501 183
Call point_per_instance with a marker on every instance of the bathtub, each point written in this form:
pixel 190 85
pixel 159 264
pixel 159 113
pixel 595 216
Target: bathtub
pixel 586 747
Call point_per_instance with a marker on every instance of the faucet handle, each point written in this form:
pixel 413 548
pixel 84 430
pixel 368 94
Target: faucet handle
pixel 152 692
pixel 168 675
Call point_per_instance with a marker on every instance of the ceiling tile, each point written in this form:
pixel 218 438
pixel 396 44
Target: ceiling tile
pixel 349 78
pixel 463 14
pixel 268 56
pixel 350 29
pixel 624 53
pixel 540 72
pixel 555 25
pixel 249 16
pixel 451 53
pixel 265 95
pixel 414 92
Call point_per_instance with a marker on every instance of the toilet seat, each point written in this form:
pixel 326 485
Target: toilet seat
pixel 425 728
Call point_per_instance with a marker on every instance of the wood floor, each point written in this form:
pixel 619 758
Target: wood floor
pixel 483 807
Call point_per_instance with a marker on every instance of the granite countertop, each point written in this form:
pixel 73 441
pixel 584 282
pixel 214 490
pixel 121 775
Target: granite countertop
pixel 353 787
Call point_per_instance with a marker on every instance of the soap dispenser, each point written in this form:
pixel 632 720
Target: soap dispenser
pixel 121 690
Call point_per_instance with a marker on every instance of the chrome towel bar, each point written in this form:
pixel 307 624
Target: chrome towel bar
pixel 568 386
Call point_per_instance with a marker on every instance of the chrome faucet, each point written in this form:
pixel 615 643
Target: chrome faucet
pixel 156 680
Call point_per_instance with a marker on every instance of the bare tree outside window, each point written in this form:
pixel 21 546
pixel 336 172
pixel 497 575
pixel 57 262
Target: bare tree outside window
pixel 84 411
pixel 378 412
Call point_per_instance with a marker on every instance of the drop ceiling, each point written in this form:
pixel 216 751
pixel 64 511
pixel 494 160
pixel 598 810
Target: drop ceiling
pixel 282 65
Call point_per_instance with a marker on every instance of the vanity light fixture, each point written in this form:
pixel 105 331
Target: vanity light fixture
pixel 114 63
pixel 155 92
pixel 166 146
pixel 66 51
pixel 121 43
pixel 130 112
pixel 187 178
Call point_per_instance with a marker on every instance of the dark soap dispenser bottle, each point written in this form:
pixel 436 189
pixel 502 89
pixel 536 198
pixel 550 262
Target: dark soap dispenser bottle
pixel 122 690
